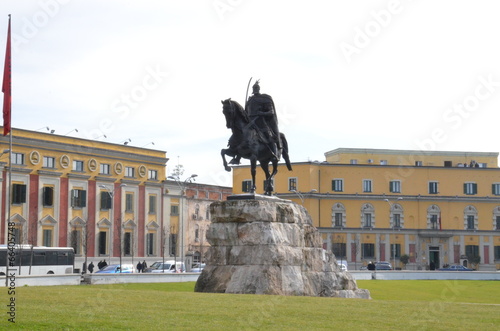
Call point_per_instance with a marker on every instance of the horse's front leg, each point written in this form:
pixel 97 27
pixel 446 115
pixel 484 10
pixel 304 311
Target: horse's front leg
pixel 223 153
pixel 253 171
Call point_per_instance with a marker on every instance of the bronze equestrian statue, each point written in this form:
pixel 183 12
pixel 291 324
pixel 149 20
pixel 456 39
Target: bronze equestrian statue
pixel 255 136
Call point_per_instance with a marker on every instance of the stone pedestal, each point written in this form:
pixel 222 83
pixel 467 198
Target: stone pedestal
pixel 269 246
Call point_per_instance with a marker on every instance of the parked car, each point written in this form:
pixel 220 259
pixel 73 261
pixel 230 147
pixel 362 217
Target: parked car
pixel 342 265
pixel 166 267
pixel 457 267
pixel 197 267
pixel 382 265
pixel 115 269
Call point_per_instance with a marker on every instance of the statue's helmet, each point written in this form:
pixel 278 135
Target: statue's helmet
pixel 256 87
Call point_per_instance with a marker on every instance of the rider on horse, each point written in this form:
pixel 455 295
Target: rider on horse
pixel 262 114
pixel 260 111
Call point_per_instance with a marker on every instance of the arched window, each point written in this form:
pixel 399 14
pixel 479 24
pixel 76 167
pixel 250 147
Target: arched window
pixel 433 217
pixel 338 215
pixel 77 235
pixel 367 216
pixel 396 216
pixel 496 218
pixel 470 218
pixel 103 236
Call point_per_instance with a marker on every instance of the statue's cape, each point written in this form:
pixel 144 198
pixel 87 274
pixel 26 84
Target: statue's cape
pixel 261 99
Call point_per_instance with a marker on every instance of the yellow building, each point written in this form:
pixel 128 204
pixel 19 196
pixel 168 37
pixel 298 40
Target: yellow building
pixel 87 194
pixel 376 205
pixel 107 201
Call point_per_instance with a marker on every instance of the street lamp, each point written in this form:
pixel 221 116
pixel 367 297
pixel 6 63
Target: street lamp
pixel 394 228
pixel 111 195
pixel 182 187
pixel 301 196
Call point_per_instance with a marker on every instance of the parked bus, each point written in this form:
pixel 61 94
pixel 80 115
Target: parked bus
pixel 37 260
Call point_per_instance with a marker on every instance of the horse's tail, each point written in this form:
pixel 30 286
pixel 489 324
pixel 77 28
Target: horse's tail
pixel 285 151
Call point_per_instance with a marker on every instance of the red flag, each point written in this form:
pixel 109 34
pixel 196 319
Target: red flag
pixel 7 87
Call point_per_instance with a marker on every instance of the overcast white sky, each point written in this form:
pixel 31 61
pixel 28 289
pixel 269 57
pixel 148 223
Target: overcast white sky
pixel 421 75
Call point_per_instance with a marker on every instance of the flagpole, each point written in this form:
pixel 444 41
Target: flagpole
pixel 7 129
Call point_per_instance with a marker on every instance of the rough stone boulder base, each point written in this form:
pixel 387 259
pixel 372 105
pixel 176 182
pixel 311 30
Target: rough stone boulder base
pixel 270 246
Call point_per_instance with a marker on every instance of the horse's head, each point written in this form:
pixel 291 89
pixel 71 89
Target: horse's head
pixel 228 111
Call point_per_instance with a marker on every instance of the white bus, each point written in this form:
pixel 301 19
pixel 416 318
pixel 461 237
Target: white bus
pixel 37 260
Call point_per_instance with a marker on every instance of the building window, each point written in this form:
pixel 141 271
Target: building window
pixel 292 184
pixel 78 166
pixel 338 185
pixel 339 250
pixel 47 237
pixel 495 189
pixel 18 158
pixel 367 220
pixel 152 204
pixel 470 188
pixel 129 202
pixel 129 172
pixel 498 223
pixel 18 193
pixel 471 250
pixel 18 235
pixel 433 187
pixel 368 250
pixel 434 222
pixel 102 240
pixel 150 244
pixel 49 162
pixel 246 186
pixel 174 210
pixel 395 250
pixel 78 198
pixel 367 185
pixel 153 174
pixel 76 241
pixel 173 244
pixel 105 200
pixel 127 244
pixel 470 218
pixel 470 222
pixel 338 220
pixel 395 186
pixel 48 196
pixel 104 169
pixel 396 221
pixel 497 253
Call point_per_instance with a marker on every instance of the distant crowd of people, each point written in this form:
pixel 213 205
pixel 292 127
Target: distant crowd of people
pixel 472 164
pixel 141 266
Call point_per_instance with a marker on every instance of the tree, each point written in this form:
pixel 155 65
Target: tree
pixel 405 258
pixel 474 260
pixel 178 171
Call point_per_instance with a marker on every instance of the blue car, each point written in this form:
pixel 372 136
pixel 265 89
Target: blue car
pixel 115 269
pixel 456 268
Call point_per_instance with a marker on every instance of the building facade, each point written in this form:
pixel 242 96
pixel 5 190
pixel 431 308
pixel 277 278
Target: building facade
pixel 437 208
pixel 105 200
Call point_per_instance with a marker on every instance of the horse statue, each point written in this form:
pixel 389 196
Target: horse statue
pixel 248 142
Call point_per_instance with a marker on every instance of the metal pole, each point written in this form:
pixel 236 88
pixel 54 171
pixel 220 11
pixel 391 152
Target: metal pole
pixel 7 200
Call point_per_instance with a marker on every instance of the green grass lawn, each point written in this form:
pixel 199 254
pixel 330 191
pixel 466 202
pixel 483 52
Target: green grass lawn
pixel 396 305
